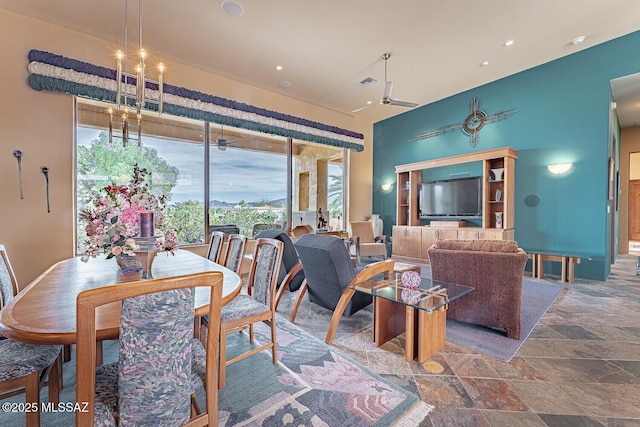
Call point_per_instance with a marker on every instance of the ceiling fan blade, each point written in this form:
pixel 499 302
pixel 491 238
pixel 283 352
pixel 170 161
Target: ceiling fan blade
pixel 362 108
pixel 388 88
pixel 402 103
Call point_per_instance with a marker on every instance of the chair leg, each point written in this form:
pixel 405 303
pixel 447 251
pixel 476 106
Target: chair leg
pixel 55 384
pixel 32 396
pixel 274 351
pixel 222 363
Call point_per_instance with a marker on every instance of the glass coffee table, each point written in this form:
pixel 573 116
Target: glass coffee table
pixel 395 308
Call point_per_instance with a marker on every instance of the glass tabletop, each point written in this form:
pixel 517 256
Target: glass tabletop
pixel 430 296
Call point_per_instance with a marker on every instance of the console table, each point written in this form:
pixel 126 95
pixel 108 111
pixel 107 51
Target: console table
pixel 567 261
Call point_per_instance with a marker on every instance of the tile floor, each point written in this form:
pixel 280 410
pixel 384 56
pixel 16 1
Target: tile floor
pixel 579 367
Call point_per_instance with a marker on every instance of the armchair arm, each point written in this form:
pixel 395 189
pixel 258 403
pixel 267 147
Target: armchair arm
pixel 287 280
pixel 355 241
pixel 381 239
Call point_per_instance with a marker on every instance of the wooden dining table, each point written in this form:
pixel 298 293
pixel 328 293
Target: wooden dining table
pixel 45 311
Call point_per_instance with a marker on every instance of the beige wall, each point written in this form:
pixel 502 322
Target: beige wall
pixel 41 125
pixel 629 143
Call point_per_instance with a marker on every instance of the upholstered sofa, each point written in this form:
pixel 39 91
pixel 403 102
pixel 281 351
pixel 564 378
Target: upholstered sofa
pixel 494 268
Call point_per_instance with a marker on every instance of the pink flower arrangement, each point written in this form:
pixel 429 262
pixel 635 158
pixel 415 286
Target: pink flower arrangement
pixel 113 219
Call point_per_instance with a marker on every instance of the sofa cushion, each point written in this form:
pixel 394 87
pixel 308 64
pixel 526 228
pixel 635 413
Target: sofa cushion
pixel 504 246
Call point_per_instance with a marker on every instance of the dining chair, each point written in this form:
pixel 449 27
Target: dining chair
pixel 236 244
pixel 25 368
pixel 153 381
pixel 216 243
pixel 291 273
pixel 235 252
pixel 258 305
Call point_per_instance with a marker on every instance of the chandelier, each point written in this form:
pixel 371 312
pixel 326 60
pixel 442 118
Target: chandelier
pixel 132 92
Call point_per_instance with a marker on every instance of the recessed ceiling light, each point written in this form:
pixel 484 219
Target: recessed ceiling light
pixel 232 8
pixel 578 40
pixel 279 67
pixel 508 43
pixel 285 84
pixel 484 63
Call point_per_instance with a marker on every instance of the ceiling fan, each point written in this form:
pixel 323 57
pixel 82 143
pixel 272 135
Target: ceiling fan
pixel 222 143
pixel 388 88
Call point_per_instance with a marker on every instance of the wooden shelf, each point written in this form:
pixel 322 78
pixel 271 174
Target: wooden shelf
pixel 410 243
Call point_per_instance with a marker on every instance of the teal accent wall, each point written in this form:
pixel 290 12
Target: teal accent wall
pixel 564 116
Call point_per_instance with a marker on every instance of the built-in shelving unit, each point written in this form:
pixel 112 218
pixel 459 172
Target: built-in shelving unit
pixel 411 240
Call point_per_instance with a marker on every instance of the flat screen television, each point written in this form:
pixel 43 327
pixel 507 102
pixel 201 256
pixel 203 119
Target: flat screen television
pixel 451 198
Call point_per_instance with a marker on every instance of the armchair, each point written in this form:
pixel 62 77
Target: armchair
pixel 328 270
pixel 365 243
pixel 495 269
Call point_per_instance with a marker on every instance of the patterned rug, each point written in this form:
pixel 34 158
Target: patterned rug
pixel 313 385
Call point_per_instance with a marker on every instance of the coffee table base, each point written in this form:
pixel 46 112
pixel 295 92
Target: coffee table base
pixel 425 334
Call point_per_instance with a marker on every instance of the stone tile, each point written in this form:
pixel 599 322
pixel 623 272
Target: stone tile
pixel 388 363
pixel 493 394
pixel 443 392
pixel 575 332
pixel 631 366
pixel 546 397
pixel 581 370
pixel 447 417
pixel 508 418
pixel 470 365
pixel 606 400
pixel 516 369
pixel 570 420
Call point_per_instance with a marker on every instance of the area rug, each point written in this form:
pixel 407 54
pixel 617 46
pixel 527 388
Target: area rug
pixel 537 296
pixel 313 385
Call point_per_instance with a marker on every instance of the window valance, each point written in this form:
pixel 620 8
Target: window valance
pixel 57 73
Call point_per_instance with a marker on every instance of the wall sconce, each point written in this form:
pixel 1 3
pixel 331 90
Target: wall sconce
pixel 385 187
pixel 560 168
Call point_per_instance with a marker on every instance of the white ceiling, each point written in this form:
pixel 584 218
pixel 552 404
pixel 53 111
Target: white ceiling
pixel 327 47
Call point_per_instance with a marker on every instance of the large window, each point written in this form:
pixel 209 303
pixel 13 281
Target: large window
pixel 247 179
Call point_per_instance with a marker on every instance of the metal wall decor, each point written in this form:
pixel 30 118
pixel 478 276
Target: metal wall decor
pixel 18 155
pixel 471 124
pixel 45 172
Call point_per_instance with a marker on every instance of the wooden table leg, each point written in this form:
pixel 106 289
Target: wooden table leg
pixel 347 294
pixel 432 333
pixel 564 269
pixel 540 267
pixel 409 339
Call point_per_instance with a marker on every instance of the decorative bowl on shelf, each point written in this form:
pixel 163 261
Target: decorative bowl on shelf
pixel 411 280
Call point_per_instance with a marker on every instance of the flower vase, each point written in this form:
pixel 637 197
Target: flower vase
pixel 146 260
pixel 497 174
pixel 128 264
pixel 377 224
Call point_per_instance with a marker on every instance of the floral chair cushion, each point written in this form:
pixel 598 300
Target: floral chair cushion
pixel 19 359
pixel 152 380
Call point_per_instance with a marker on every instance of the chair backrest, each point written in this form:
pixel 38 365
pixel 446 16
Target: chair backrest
pixel 235 252
pixel 364 230
pixel 263 277
pixel 8 282
pixel 327 266
pixel 214 253
pixel 156 335
pixel 301 230
pixel 289 258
